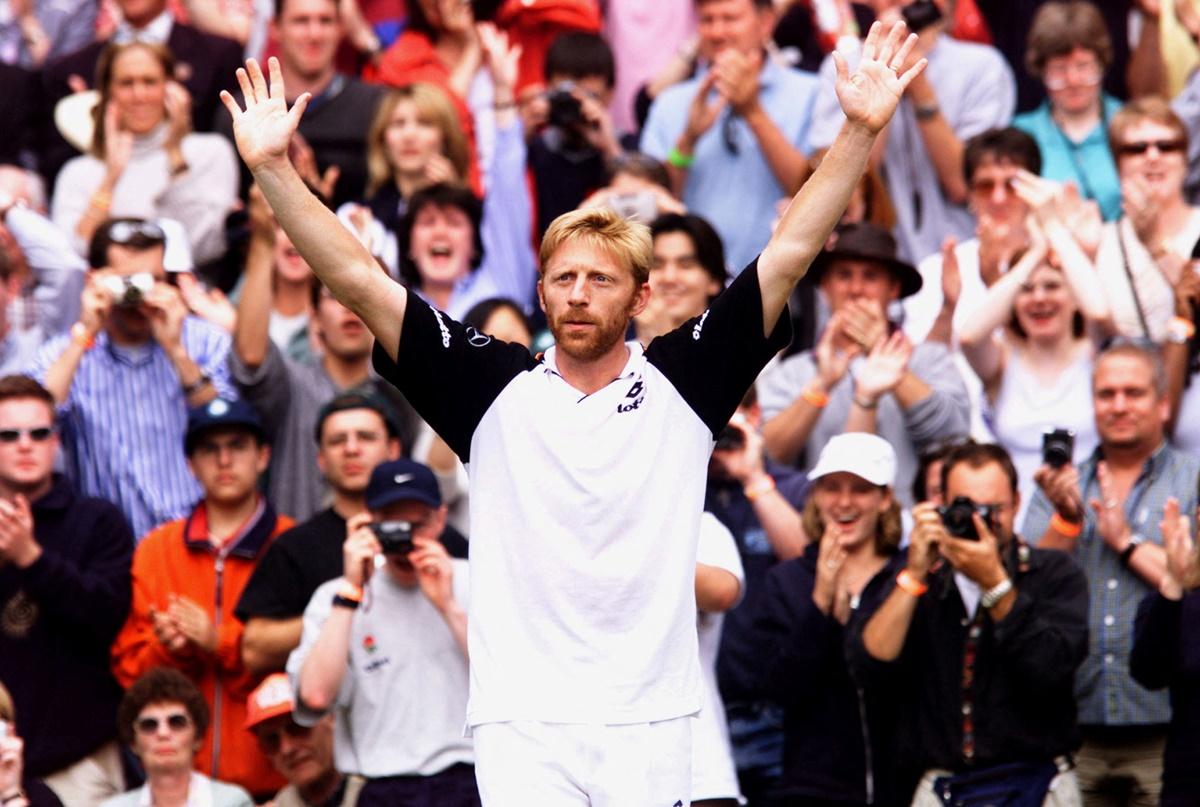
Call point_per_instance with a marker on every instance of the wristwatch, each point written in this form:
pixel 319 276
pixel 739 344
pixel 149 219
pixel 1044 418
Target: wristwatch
pixel 996 593
pixel 928 112
pixel 1135 540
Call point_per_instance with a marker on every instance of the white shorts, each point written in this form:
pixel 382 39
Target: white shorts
pixel 578 765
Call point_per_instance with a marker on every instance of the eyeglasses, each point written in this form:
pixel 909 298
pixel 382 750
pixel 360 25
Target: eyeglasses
pixel 124 232
pixel 986 187
pixel 1135 147
pixel 175 722
pixel 1057 78
pixel 270 740
pixel 39 434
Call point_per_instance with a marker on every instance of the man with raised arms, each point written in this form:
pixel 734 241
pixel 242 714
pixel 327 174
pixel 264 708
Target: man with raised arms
pixel 587 467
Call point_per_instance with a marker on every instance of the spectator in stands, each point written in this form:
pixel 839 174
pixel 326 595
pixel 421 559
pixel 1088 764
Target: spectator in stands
pixel 1180 357
pixel 144 160
pixel 1027 340
pixel 977 643
pixel 1070 51
pixel 125 375
pixel 34 34
pixel 64 592
pixel 966 89
pixel 1106 513
pixel 353 434
pixel 639 187
pixel 1165 644
pixel 18 789
pixel 163 718
pixel 862 375
pixel 187 576
pixel 399 663
pixel 1187 103
pixel 735 135
pixel 501 319
pixel 687 272
pixel 839 741
pixel 1142 255
pixel 301 754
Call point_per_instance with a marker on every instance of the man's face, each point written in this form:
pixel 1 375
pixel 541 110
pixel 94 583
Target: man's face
pixel 848 279
pixel 302 755
pixel 1129 412
pixel 442 244
pixel 428 523
pixel 735 24
pixel 290 266
pixel 992 195
pixel 589 299
pixel 308 32
pixel 227 464
pixel 678 280
pixel 340 330
pixel 141 12
pixel 352 443
pixel 133 322
pixel 987 484
pixel 851 506
pixel 28 444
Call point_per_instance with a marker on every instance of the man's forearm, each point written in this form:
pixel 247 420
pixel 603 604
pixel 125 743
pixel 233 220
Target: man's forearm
pixel 945 151
pixel 61 374
pixel 456 621
pixel 884 634
pixel 787 163
pixel 781 523
pixel 325 665
pixel 786 434
pixel 266 643
pixel 197 389
pixel 253 329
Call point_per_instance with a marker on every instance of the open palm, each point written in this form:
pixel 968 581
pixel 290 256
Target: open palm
pixel 265 128
pixel 870 94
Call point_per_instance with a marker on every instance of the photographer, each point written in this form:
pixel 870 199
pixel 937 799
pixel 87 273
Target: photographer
pixel 386 646
pixel 979 641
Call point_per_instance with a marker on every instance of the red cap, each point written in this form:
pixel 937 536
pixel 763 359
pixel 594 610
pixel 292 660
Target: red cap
pixel 273 697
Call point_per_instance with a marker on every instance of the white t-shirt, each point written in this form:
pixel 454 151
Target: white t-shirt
pixel 283 328
pixel 403 701
pixel 585 509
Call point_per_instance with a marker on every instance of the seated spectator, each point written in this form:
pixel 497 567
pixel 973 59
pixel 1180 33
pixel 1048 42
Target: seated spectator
pixel 1187 103
pixel 1142 255
pixel 244 21
pixel 977 643
pixel 64 592
pixel 34 34
pixel 639 187
pixel 400 663
pixel 735 136
pixel 144 160
pixel 16 788
pixel 966 89
pixel 1165 645
pixel 839 743
pixel 1027 342
pixel 1181 357
pixel 1070 51
pixel 687 272
pixel 163 718
pixel 500 319
pixel 858 377
pixel 187 577
pixel 301 754
pixel 125 375
pixel 353 434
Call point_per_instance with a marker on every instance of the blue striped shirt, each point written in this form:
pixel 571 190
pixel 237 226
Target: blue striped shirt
pixel 1106 693
pixel 124 420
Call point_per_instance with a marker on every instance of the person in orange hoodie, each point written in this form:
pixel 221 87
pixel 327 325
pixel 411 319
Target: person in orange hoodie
pixel 187 577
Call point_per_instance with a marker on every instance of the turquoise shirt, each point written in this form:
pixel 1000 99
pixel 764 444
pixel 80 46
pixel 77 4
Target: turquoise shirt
pixel 1088 163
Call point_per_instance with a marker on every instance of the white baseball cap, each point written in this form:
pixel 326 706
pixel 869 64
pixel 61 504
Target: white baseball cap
pixel 865 455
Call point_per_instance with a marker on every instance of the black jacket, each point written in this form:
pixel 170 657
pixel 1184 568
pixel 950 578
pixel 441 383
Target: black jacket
pixel 57 621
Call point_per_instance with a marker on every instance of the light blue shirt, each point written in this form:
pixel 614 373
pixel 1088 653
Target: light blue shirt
pixel 735 191
pixel 1088 163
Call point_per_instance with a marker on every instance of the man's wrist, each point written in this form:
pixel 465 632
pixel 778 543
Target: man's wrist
pixel 866 400
pixel 27 557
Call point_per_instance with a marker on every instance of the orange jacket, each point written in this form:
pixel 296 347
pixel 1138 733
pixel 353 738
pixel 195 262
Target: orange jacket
pixel 178 558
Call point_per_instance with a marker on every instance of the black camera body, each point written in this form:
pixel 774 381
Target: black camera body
pixel 730 439
pixel 957 517
pixel 920 15
pixel 566 112
pixel 1058 447
pixel 395 537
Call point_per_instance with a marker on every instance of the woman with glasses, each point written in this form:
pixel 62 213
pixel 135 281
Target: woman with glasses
pixel 1069 50
pixel 163 718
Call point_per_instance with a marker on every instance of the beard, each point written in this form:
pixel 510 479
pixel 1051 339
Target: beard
pixel 592 343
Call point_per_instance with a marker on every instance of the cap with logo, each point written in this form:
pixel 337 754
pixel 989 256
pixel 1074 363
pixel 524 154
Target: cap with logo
pixel 273 697
pixel 220 413
pixel 402 481
pixel 868 456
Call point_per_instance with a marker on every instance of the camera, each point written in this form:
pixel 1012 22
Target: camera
pixel 566 112
pixel 920 15
pixel 1058 447
pixel 730 439
pixel 957 516
pixel 395 537
pixel 640 206
pixel 129 290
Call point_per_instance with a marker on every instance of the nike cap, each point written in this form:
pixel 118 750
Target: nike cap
pixel 401 481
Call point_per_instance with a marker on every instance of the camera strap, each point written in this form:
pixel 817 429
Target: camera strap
pixel 1137 300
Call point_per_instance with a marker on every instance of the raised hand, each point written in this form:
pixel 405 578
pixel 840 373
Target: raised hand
pixel 831 557
pixel 885 366
pixel 1110 515
pixel 832 363
pixel 870 94
pixel 1183 570
pixel 264 129
pixel 502 59
pixel 951 276
pixel 703 113
pixel 435 574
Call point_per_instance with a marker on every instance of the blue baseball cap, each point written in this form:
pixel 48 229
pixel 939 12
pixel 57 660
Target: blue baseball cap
pixel 221 413
pixel 402 481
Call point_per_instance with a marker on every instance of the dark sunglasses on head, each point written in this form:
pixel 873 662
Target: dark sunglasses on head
pixel 1142 146
pixel 38 435
pixel 271 739
pixel 125 232
pixel 175 722
pixel 988 186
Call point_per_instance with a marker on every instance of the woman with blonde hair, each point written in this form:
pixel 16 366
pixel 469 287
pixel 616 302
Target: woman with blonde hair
pixel 15 789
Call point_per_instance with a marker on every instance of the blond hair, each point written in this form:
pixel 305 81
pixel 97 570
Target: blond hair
pixel 432 107
pixel 602 228
pixel 7 712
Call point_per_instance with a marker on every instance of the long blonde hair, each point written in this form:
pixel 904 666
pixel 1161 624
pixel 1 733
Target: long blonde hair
pixel 432 106
pixel 888 528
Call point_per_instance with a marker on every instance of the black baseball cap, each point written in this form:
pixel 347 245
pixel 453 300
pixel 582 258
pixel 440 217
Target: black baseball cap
pixel 402 481
pixel 221 413
pixel 357 400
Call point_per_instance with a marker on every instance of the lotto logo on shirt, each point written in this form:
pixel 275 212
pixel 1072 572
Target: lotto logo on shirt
pixel 635 393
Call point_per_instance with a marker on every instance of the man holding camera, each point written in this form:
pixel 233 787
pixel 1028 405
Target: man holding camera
pixel 386 645
pixel 1106 514
pixel 980 639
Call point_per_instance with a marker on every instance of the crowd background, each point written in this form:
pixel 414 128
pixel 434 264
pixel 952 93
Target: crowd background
pixel 194 442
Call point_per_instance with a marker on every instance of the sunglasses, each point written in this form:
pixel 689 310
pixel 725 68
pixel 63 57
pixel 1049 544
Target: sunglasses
pixel 1142 146
pixel 38 435
pixel 271 740
pixel 175 722
pixel 125 232
pixel 987 187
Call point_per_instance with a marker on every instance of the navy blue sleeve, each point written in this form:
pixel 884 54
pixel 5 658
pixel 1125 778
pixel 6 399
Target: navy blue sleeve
pixel 713 359
pixel 449 372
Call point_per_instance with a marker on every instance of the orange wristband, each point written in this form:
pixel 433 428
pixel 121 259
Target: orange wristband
pixel 815 398
pixel 911 584
pixel 1065 528
pixel 349 591
pixel 1185 325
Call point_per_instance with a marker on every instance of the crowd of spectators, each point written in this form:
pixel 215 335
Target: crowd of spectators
pixel 948 551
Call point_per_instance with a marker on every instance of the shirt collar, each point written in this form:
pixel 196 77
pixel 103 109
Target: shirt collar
pixel 549 360
pixel 1153 464
pixel 199 793
pixel 157 32
pixel 245 543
